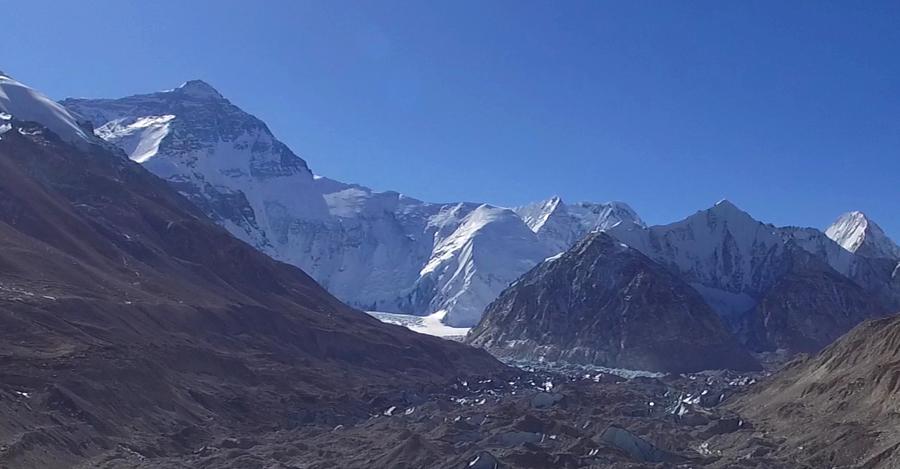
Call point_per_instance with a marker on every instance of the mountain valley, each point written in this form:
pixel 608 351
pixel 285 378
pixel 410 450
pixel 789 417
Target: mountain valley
pixel 179 289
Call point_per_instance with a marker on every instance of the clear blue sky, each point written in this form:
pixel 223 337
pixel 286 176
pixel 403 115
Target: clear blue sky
pixel 789 109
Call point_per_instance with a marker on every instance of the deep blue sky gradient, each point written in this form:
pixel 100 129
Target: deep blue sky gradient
pixel 789 109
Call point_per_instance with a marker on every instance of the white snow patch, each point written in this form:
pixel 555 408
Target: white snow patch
pixel 429 325
pixel 140 138
pixel 554 257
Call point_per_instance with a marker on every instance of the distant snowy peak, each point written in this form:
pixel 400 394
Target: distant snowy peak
pixel 591 216
pixel 603 216
pixel 535 215
pixel 734 260
pixel 855 232
pixel 560 225
pixel 23 103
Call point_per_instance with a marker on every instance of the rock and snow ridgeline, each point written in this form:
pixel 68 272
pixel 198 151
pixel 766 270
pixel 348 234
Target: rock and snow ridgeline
pixel 387 252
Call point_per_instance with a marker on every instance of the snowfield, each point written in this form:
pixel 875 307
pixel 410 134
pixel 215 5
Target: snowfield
pixel 430 325
pixel 25 104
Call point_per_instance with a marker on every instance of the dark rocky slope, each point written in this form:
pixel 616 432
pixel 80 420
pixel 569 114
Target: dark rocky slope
pixel 839 408
pixel 605 303
pixel 808 307
pixel 130 322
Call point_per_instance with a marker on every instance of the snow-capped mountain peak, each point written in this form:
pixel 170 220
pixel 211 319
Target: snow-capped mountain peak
pixel 726 209
pixel 855 232
pixel 724 202
pixel 26 104
pixel 198 89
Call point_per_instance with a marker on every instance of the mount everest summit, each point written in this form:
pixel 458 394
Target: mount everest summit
pixel 375 250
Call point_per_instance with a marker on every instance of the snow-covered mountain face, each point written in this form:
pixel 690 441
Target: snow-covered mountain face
pixel 726 254
pixel 732 258
pixel 856 233
pixel 380 251
pixel 560 225
pixel 18 101
pixel 225 160
pixel 490 248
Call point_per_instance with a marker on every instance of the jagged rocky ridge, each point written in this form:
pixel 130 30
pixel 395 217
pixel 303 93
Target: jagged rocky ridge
pixel 785 290
pixel 604 303
pixel 375 250
pixel 779 288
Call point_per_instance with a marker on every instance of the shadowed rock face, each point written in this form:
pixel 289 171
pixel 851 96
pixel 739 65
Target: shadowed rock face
pixel 128 319
pixel 809 307
pixel 605 303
